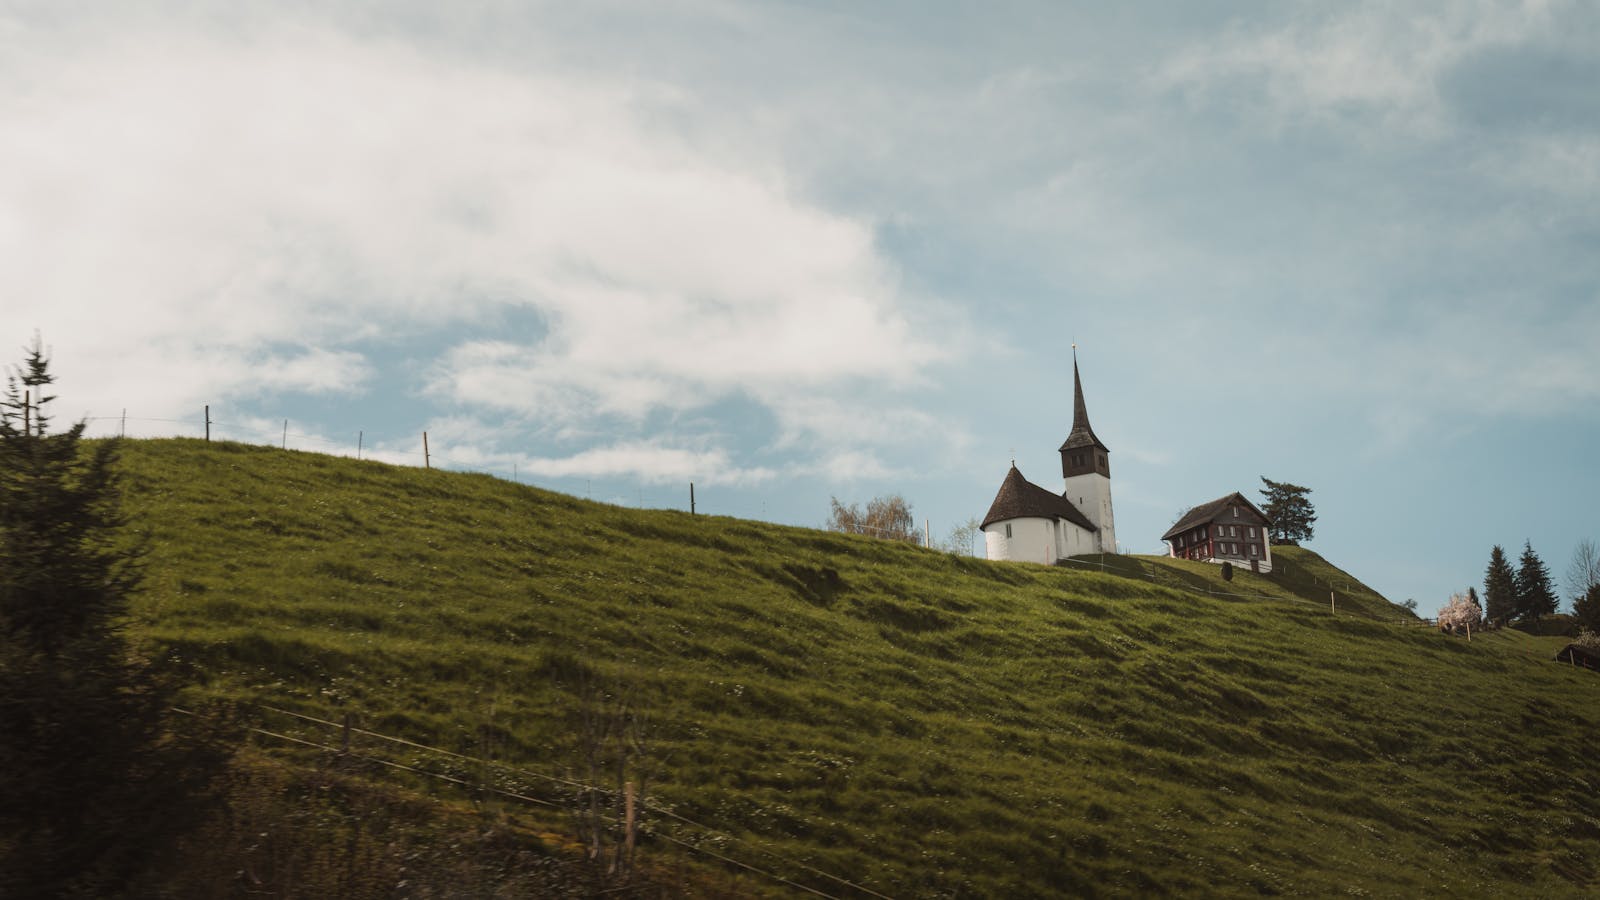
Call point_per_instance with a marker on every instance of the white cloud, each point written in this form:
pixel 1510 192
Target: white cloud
pixel 186 204
pixel 650 461
pixel 1379 60
pixel 849 466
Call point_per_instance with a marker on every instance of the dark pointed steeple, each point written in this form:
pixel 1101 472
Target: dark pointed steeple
pixel 1082 453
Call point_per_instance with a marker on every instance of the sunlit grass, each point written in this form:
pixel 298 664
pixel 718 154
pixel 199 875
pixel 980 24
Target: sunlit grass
pixel 917 722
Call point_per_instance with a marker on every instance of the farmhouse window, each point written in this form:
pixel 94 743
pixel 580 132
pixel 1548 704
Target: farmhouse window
pixel 1255 550
pixel 1252 533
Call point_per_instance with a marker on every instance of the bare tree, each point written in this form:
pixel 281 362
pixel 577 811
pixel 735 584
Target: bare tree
pixel 962 538
pixel 1583 572
pixel 887 517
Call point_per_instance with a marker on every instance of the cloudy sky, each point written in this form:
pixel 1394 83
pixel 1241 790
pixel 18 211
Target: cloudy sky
pixel 794 251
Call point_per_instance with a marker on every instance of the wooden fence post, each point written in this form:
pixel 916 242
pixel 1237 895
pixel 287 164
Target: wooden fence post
pixel 630 822
pixel 691 498
pixel 427 461
pixel 1333 608
pixel 208 423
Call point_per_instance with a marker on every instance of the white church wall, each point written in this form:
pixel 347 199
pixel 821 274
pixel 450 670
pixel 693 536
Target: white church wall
pixel 1031 540
pixel 1074 541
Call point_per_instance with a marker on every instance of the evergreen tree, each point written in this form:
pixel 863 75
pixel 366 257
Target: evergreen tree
pixel 1289 509
pixel 93 782
pixel 1535 597
pixel 1586 609
pixel 1499 588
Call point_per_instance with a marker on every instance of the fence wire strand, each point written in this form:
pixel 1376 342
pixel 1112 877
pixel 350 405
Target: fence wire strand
pixel 565 782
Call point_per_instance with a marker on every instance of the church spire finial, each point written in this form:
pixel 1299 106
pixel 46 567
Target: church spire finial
pixel 1080 410
pixel 1082 435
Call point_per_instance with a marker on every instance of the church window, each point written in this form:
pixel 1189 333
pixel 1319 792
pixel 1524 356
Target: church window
pixel 1008 529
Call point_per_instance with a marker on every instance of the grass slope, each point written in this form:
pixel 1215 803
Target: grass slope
pixel 912 721
pixel 1299 575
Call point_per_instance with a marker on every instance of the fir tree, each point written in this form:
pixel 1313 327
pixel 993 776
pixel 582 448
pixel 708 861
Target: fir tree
pixel 1499 588
pixel 1290 510
pixel 1535 597
pixel 1586 609
pixel 94 783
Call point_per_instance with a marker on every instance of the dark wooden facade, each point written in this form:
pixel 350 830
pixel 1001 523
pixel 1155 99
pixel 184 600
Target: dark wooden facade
pixel 1228 529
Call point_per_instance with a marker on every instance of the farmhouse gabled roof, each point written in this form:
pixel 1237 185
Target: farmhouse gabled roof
pixel 1081 435
pixel 1206 512
pixel 1020 498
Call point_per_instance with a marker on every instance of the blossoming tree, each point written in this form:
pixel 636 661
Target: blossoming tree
pixel 1460 612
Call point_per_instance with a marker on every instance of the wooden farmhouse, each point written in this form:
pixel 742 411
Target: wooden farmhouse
pixel 1034 524
pixel 1228 529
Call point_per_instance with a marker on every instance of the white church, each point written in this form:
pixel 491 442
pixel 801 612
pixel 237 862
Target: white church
pixel 1033 524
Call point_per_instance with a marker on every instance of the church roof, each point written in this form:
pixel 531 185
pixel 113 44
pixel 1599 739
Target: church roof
pixel 1207 512
pixel 1020 498
pixel 1082 435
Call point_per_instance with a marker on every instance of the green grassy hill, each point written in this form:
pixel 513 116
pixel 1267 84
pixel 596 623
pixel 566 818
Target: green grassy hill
pixel 913 722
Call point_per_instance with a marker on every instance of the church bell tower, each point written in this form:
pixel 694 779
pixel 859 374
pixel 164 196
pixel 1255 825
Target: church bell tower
pixel 1086 468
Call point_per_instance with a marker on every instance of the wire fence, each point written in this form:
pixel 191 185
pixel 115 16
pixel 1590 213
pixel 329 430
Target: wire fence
pixel 430 451
pixel 344 741
pixel 438 451
pixel 1175 582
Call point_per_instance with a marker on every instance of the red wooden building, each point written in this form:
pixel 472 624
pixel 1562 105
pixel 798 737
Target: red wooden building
pixel 1228 529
